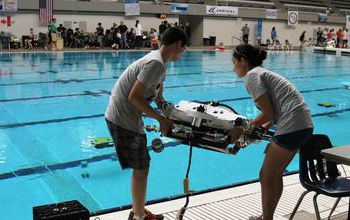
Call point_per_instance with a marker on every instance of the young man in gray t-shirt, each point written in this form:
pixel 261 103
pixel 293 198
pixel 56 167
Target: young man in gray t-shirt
pixel 139 85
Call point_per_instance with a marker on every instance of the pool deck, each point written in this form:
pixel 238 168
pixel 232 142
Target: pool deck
pixel 244 201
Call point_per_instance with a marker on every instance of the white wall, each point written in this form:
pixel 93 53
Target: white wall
pixel 232 27
pixel 22 22
pixel 221 27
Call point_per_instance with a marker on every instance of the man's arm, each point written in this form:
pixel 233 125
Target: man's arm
pixel 137 99
pixel 159 98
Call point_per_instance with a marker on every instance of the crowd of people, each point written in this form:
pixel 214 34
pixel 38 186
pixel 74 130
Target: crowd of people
pixel 330 37
pixel 116 37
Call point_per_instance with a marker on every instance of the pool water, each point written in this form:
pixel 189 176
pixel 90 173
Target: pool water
pixel 52 103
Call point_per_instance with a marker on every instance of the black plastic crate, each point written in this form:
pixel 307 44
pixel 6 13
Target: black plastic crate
pixel 70 210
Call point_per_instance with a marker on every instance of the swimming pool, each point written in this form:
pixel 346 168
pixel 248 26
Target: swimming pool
pixel 51 103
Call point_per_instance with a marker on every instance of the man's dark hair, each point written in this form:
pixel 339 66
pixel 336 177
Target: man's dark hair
pixel 173 35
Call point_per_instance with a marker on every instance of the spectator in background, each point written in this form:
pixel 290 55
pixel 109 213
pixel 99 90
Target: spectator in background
pixel 162 28
pixel 245 33
pixel 330 35
pixel 273 35
pixel 131 38
pixel 319 37
pixel 100 34
pixel 302 40
pixel 114 27
pixel 188 32
pixel 345 38
pixel 138 34
pixel 123 29
pixel 181 26
pixel 52 34
pixel 77 38
pixel 63 32
pixel 30 40
pixel 167 24
pixel 153 35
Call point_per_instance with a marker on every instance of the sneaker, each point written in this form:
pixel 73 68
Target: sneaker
pixel 150 216
pixel 260 217
pixel 131 215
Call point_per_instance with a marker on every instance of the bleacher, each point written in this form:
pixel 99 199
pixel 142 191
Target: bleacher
pixel 341 4
pixel 247 3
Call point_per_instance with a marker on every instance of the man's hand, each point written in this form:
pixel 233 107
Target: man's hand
pixel 234 134
pixel 165 125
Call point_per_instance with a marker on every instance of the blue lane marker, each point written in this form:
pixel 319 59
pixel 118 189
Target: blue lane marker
pixel 15 125
pixel 70 164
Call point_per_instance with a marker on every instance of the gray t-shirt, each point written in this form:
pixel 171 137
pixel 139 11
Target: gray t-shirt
pixel 150 71
pixel 245 30
pixel 291 111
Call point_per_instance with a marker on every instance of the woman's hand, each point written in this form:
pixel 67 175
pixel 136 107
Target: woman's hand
pixel 235 133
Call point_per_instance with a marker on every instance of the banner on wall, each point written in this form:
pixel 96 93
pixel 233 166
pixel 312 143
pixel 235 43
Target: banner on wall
pixel 8 5
pixel 132 7
pixel 293 17
pixel 348 21
pixel 222 10
pixel 179 8
pixel 322 17
pixel 271 13
pixel 259 29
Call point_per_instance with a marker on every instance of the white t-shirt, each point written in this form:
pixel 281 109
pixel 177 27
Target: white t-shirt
pixel 290 110
pixel 138 30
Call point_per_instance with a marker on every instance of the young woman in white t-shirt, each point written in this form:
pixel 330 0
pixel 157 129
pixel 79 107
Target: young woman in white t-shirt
pixel 281 105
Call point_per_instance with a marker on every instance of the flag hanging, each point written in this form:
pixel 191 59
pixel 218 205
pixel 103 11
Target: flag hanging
pixel 45 11
pixel 5 21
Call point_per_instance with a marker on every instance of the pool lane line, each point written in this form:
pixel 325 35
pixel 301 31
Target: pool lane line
pixel 65 81
pixel 111 156
pixel 174 66
pixel 70 164
pixel 68 60
pixel 171 74
pixel 22 124
pixel 102 91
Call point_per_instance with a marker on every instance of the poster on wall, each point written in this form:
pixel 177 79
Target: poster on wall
pixel 132 7
pixel 179 8
pixel 348 21
pixel 322 17
pixel 271 13
pixel 222 10
pixel 8 5
pixel 293 17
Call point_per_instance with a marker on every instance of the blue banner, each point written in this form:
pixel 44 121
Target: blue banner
pixel 179 8
pixel 259 29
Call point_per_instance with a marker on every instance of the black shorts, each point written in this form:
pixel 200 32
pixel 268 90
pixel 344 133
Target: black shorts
pixel 131 147
pixel 294 140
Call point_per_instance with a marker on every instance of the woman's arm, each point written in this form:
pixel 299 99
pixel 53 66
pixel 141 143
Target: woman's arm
pixel 267 111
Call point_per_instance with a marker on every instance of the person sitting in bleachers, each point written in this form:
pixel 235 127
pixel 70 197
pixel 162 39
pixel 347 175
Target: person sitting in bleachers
pixel 153 35
pixel 30 40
